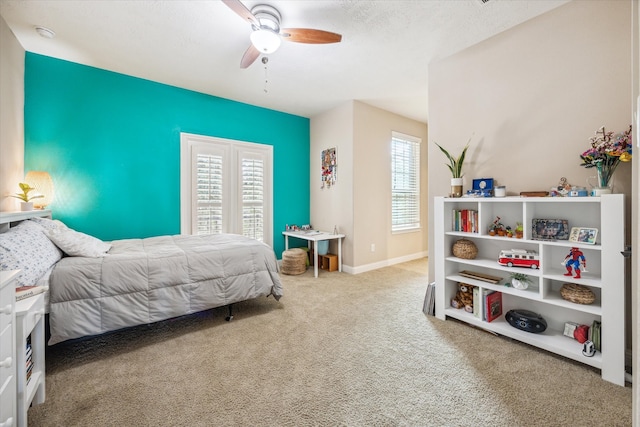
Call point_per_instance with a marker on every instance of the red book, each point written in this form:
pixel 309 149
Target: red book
pixel 493 306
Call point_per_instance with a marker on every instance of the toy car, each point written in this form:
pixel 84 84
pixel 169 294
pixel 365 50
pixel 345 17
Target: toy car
pixel 519 258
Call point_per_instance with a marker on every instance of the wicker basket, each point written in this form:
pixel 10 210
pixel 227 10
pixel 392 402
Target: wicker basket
pixel 465 249
pixel 577 293
pixel 294 261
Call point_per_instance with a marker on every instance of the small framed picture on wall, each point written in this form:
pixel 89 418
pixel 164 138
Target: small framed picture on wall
pixel 329 167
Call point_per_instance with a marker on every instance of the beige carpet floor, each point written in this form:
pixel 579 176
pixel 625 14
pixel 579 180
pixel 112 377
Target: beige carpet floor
pixel 340 350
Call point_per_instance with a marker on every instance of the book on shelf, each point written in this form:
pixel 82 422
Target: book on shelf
pixel 28 358
pixel 493 306
pixel 595 335
pixel 24 292
pixel 476 301
pixel 479 301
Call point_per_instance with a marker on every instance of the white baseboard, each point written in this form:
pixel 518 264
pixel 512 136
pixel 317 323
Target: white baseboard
pixel 380 264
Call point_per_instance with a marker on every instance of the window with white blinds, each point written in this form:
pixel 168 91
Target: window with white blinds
pixel 405 182
pixel 226 187
pixel 253 184
pixel 209 172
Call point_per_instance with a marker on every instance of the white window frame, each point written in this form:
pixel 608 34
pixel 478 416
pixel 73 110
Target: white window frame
pixel 416 224
pixel 232 152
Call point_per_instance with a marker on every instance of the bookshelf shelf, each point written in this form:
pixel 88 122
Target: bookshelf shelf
pixel 7 348
pixel 604 274
pixel 30 326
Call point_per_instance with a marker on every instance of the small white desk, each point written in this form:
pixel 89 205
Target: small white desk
pixel 315 237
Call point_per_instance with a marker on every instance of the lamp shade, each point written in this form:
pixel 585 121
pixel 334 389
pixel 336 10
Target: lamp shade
pixel 43 184
pixel 265 40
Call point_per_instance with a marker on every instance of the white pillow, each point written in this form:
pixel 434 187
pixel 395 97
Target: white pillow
pixel 75 243
pixel 25 247
pixel 49 224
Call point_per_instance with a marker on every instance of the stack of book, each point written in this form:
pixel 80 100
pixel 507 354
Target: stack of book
pixel 429 306
pixel 29 358
pixel 24 292
pixel 464 220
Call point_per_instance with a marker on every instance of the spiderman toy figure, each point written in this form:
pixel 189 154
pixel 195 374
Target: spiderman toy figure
pixel 573 260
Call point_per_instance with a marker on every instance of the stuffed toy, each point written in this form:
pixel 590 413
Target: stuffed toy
pixel 464 297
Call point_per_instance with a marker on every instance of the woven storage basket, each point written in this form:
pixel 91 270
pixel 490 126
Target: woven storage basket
pixel 294 261
pixel 465 249
pixel 577 293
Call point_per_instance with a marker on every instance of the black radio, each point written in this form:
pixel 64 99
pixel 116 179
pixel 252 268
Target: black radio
pixel 526 320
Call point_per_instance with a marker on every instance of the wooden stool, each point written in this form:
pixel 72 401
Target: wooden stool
pixel 294 261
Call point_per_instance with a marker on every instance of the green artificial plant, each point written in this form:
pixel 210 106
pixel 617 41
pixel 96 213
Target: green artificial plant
pixel 24 196
pixel 455 164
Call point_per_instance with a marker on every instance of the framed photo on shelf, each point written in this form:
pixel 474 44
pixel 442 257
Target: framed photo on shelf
pixel 583 235
pixel 550 229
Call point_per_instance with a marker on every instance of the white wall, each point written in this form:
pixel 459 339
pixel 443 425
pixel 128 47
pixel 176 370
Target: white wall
pixel 532 96
pixel 372 189
pixel 360 202
pixel 11 117
pixel 333 206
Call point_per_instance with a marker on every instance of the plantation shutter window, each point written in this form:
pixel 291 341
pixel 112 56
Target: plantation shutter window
pixel 226 187
pixel 253 183
pixel 405 182
pixel 209 180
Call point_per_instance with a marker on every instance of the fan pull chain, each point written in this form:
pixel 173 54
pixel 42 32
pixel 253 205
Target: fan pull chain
pixel 265 60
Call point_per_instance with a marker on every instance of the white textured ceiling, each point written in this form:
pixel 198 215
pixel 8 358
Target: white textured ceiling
pixel 382 60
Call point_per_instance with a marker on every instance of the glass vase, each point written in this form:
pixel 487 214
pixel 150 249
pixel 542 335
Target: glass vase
pixel 602 183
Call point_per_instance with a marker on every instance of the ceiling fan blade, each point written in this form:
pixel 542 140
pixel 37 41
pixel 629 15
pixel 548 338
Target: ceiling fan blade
pixel 249 57
pixel 308 35
pixel 242 10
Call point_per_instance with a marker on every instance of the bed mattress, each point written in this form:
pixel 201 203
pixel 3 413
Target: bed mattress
pixel 142 281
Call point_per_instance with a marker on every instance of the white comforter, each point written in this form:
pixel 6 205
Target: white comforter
pixel 142 281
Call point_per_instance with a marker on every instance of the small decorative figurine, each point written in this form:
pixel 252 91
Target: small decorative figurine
pixel 573 261
pixel 562 189
pixel 497 228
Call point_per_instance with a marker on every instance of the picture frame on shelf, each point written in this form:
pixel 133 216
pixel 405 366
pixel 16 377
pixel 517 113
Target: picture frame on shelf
pixel 550 229
pixel 585 235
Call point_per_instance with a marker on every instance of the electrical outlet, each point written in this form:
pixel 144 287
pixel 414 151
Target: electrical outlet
pixel 373 247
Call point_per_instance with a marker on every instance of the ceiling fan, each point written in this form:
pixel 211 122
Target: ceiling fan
pixel 267 34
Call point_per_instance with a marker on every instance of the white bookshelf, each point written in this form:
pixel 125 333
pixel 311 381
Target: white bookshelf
pixel 604 274
pixel 8 348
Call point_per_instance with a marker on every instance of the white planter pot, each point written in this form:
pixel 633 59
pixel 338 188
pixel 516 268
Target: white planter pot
pixel 26 206
pixel 517 284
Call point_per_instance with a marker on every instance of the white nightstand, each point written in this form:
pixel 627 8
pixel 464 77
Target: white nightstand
pixel 30 321
pixel 7 348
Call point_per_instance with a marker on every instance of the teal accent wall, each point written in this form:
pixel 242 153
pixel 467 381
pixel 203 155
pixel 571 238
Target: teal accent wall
pixel 111 143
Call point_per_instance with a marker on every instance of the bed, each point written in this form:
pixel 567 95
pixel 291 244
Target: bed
pixel 97 287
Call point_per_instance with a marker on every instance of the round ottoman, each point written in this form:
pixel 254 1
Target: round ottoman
pixel 294 261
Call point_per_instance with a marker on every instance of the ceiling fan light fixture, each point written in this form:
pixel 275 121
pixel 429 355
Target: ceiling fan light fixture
pixel 265 40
